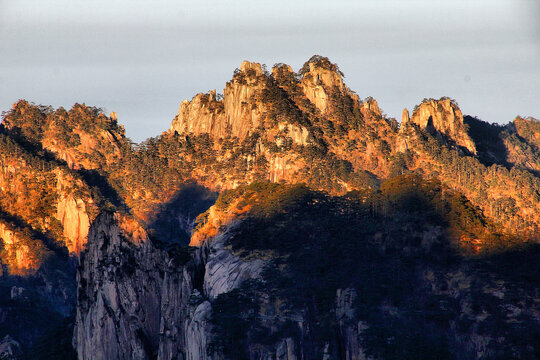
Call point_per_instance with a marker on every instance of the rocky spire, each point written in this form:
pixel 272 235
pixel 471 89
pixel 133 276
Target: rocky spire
pixel 405 116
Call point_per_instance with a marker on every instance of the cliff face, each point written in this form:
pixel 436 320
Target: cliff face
pixel 111 318
pixel 445 117
pixel 46 206
pixel 137 301
pixel 318 82
pixel 72 214
pixel 39 193
pixel 233 116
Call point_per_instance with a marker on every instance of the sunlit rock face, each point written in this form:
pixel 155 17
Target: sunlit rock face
pixel 405 116
pixel 370 107
pixel 235 115
pixel 72 214
pixel 445 117
pixel 241 112
pixel 318 82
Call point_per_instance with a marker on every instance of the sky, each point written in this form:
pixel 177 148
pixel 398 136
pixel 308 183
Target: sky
pixel 142 58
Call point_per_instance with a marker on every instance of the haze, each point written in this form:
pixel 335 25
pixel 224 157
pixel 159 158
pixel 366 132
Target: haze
pixel 142 58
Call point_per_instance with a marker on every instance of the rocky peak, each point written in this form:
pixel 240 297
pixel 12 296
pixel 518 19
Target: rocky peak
pixel 319 78
pixel 528 128
pixel 371 107
pixel 74 136
pixel 251 68
pixel 236 115
pixel 326 76
pixel 445 117
pixel 281 68
pixel 405 116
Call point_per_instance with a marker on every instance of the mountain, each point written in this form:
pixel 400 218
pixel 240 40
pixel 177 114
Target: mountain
pixel 287 218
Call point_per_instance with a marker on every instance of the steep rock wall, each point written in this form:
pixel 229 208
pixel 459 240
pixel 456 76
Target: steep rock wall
pixel 74 218
pixel 136 302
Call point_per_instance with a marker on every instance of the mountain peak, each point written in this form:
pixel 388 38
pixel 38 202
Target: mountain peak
pixel 250 67
pixel 235 115
pixel 445 117
pixel 320 77
pixel 318 62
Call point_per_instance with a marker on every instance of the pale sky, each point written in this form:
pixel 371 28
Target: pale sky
pixel 142 58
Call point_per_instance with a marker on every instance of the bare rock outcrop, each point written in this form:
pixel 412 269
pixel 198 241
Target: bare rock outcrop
pixel 235 115
pixel 349 327
pixel 135 301
pixel 203 114
pixel 405 116
pixel 198 328
pixel 225 271
pixel 73 216
pixel 445 117
pixel 370 107
pixel 317 83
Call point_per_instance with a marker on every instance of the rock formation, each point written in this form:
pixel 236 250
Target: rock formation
pixel 317 82
pixel 405 116
pixel 445 117
pixel 233 116
pixel 72 214
pixel 138 299
pixel 137 302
